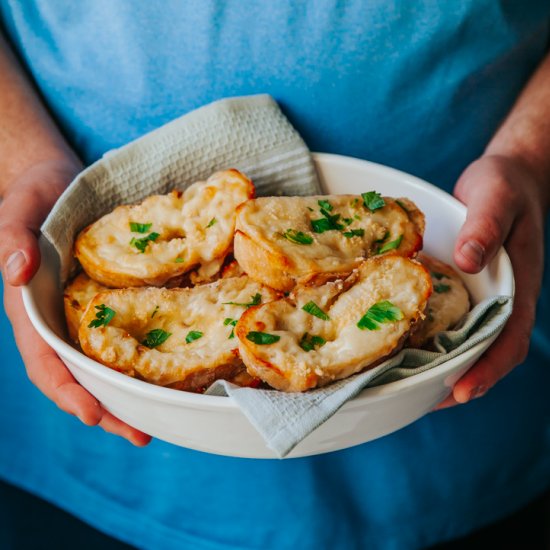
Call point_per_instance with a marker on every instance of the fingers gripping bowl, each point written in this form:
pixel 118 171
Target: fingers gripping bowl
pixel 215 424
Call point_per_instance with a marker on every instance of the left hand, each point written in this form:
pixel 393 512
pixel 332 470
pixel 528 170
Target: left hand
pixel 505 207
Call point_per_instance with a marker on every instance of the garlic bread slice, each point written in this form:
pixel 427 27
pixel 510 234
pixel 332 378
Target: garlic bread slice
pixel 165 236
pixel 319 334
pixel 447 305
pixel 281 241
pixel 182 338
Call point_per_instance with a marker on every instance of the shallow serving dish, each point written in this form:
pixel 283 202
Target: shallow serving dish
pixel 215 424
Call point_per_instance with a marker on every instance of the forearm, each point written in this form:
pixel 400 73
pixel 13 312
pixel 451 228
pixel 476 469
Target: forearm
pixel 28 136
pixel 524 135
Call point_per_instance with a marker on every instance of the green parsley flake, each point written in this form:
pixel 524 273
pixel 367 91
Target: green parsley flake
pixel 381 312
pixel 357 217
pixel 327 223
pixel 103 316
pixel 232 322
pixel 313 309
pixel 254 301
pixel 140 227
pixel 155 311
pixel 438 275
pixel 386 235
pixel 440 288
pixel 297 237
pixel 179 260
pixel 156 337
pixel 211 222
pixel 373 200
pixel 392 245
pixel 193 335
pixel 355 202
pixel 262 338
pixel 141 244
pixel 325 205
pixel 354 233
pixel 309 342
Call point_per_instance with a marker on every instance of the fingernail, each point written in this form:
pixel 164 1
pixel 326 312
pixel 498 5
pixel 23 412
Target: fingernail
pixel 478 391
pixel 14 264
pixel 474 252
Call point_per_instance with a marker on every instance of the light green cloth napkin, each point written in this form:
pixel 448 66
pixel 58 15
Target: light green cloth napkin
pixel 248 133
pixel 285 419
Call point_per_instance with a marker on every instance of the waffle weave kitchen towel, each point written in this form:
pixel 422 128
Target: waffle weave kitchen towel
pixel 249 133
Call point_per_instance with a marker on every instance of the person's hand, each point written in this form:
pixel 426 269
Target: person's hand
pixel 505 207
pixel 24 208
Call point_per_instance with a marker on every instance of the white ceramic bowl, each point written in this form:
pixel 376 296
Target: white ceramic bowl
pixel 215 424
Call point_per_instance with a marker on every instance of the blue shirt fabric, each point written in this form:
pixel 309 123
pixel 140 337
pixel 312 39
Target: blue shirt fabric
pixel 420 86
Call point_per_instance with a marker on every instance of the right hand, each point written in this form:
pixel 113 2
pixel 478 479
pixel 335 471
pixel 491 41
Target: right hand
pixel 22 211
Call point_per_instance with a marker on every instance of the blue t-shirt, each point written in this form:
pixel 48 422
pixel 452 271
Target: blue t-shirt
pixel 420 86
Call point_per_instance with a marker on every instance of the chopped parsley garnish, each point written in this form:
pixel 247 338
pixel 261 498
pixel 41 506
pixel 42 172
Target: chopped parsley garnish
pixel 440 288
pixel 297 237
pixel 327 223
pixel 232 322
pixel 381 312
pixel 354 233
pixel 357 217
pixel 141 244
pixel 373 200
pixel 438 275
pixel 155 311
pixel 347 221
pixel 193 335
pixel 140 227
pixel 392 245
pixel 402 205
pixel 254 301
pixel 310 209
pixel 313 309
pixel 156 337
pixel 103 316
pixel 262 338
pixel 211 222
pixel 325 205
pixel 308 342
pixel 386 235
pixel 179 260
pixel 355 202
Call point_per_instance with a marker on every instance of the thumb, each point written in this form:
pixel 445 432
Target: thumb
pixel 19 253
pixel 491 213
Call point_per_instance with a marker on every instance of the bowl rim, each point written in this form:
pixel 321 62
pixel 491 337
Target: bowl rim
pixel 175 397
